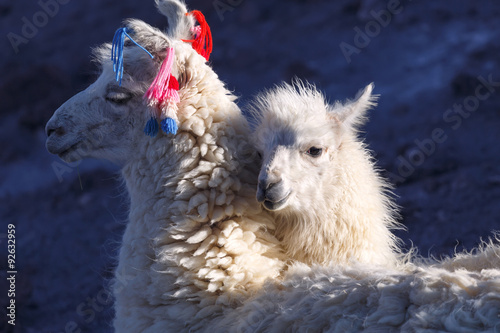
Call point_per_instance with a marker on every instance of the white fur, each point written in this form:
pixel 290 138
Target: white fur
pixel 196 241
pixel 198 248
pixel 333 208
pixel 428 297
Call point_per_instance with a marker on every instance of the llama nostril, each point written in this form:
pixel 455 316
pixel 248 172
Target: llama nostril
pixel 52 129
pixel 265 187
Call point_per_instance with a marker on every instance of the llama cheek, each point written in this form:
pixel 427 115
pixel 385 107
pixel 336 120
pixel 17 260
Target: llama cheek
pixel 295 206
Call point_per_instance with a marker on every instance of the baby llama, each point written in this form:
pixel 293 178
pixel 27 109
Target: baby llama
pixel 330 206
pixel 319 180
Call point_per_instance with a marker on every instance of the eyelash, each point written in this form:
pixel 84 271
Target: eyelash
pixel 314 152
pixel 118 98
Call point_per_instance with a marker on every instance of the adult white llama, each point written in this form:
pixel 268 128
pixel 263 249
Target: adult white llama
pixel 196 240
pixel 318 178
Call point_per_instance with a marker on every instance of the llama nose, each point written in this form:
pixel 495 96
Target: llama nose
pixel 52 127
pixel 267 185
pixel 264 191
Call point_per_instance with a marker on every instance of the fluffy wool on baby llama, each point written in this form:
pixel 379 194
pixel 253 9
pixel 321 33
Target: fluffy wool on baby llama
pixel 196 241
pixel 319 180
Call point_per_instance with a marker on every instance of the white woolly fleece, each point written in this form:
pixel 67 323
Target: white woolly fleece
pixel 454 295
pixel 198 247
pixel 338 208
pixel 197 240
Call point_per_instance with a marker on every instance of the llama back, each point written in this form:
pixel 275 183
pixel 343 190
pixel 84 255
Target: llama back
pixel 364 297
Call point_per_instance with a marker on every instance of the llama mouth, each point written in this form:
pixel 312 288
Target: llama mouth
pixel 64 150
pixel 276 205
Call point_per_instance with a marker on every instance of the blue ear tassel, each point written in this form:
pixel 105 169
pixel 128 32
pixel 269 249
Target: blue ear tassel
pixel 151 128
pixel 117 52
pixel 169 125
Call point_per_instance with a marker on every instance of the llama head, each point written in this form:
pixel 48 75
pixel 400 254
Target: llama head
pixel 298 135
pixel 107 119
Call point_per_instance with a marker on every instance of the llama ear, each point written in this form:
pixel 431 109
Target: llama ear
pixel 353 113
pixel 179 24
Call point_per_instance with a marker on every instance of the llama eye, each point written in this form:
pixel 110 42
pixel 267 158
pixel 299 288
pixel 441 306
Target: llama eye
pixel 314 152
pixel 118 97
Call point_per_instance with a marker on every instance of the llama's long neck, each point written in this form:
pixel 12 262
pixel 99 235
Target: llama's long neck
pixel 148 178
pixel 350 220
pixel 196 237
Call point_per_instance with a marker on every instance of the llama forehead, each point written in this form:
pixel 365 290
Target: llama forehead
pixel 297 134
pixel 137 63
pixel 282 136
pixel 106 84
pixel 298 131
pixel 296 107
pixel 301 112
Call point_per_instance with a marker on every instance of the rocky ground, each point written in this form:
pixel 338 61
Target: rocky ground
pixel 435 131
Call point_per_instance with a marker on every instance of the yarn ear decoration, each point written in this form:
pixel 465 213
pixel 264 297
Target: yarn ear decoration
pixel 117 52
pixel 202 42
pixel 151 128
pixel 163 97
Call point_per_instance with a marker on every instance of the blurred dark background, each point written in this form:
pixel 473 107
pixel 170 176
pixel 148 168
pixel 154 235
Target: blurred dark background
pixel 435 132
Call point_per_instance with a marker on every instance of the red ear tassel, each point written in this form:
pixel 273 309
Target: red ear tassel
pixel 202 43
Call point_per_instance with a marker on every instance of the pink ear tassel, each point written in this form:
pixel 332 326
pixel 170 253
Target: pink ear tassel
pixel 157 91
pixel 162 95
